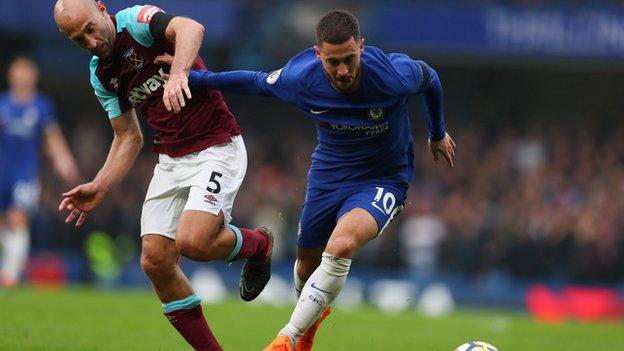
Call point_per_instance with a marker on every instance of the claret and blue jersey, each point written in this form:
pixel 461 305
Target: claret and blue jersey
pixel 364 157
pixel 130 78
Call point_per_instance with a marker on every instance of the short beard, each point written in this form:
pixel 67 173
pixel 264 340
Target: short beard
pixel 110 41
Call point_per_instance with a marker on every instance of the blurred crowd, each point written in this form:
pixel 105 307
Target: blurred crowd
pixel 545 202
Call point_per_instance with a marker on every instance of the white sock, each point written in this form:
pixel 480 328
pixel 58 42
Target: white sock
pixel 318 292
pixel 298 282
pixel 16 244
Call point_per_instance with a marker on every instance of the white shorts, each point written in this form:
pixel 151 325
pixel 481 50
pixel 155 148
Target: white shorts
pixel 206 181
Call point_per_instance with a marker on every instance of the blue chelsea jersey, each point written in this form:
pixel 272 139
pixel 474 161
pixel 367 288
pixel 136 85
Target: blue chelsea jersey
pixel 21 130
pixel 364 136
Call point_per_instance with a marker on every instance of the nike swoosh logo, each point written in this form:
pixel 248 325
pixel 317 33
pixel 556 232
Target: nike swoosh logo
pixel 313 286
pixel 318 112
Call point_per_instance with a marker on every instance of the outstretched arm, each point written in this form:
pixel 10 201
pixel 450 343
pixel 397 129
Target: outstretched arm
pixel 240 82
pixel 127 143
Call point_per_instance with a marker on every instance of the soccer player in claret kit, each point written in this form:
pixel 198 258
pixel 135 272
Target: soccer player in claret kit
pixel 363 163
pixel 202 157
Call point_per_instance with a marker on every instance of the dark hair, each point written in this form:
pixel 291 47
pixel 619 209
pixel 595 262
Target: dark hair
pixel 336 27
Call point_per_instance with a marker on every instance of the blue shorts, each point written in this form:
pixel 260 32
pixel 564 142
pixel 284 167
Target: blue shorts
pixel 19 193
pixel 323 208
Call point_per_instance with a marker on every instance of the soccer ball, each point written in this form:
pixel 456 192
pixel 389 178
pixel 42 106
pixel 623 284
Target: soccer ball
pixel 476 346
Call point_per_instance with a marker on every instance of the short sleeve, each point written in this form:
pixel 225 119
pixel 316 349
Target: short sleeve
pixel 108 100
pixel 137 21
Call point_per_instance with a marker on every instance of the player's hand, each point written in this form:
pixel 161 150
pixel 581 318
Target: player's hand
pixel 79 201
pixel 444 147
pixel 175 90
pixel 176 86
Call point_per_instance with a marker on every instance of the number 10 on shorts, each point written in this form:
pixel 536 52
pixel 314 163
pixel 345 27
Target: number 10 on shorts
pixel 384 201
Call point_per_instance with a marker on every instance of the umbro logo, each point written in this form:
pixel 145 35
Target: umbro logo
pixel 210 199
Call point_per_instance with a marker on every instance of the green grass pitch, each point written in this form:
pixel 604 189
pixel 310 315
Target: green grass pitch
pixel 83 319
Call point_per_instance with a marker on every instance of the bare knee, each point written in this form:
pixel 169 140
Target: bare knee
pixel 353 230
pixel 155 266
pixel 344 247
pixel 157 263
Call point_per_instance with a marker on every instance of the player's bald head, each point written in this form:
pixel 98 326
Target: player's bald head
pixel 68 13
pixel 87 24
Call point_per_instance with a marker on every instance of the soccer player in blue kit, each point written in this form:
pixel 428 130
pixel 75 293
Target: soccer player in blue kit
pixel 363 163
pixel 27 120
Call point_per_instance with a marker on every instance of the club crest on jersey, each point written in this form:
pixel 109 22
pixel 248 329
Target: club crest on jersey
pixel 375 113
pixel 134 58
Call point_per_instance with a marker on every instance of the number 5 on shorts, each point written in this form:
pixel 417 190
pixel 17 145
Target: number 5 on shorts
pixel 216 186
